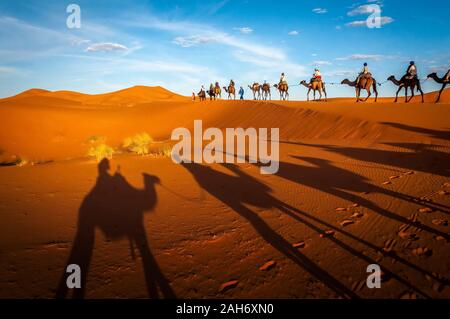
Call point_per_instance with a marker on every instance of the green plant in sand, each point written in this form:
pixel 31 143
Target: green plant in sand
pixel 138 144
pixel 101 151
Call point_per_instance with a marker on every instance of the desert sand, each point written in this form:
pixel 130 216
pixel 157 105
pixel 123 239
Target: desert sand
pixel 359 184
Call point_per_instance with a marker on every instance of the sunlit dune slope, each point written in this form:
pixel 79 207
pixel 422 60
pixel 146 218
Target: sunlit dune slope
pixel 42 125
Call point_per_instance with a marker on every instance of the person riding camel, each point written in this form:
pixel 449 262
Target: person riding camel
pixel 411 72
pixel 283 79
pixel 364 72
pixel 317 76
pixel 217 85
pixel 232 83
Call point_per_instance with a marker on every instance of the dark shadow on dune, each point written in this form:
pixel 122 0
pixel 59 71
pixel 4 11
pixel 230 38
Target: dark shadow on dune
pixel 424 158
pixel 117 209
pixel 333 180
pixel 240 190
pixel 444 135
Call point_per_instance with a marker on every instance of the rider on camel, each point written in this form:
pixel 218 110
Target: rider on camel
pixel 364 72
pixel 232 83
pixel 411 72
pixel 283 79
pixel 317 76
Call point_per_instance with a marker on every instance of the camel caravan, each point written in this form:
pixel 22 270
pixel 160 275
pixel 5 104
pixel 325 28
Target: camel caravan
pixel 365 81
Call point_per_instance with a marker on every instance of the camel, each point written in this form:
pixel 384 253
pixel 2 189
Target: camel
pixel 444 81
pixel 266 91
pixel 283 88
pixel 406 83
pixel 231 92
pixel 315 86
pixel 364 83
pixel 218 91
pixel 202 95
pixel 256 89
pixel 212 93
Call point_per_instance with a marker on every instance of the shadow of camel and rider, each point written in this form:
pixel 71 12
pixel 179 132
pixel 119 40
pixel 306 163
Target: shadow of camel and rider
pixel 240 189
pixel 117 209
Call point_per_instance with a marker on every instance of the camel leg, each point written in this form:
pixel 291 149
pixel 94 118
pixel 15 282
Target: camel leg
pixel 419 88
pixel 412 94
pixel 440 92
pixel 396 95
pixel 153 275
pixel 358 91
pixel 375 90
pixel 325 92
pixel 307 95
pixel 80 255
pixel 406 94
pixel 369 94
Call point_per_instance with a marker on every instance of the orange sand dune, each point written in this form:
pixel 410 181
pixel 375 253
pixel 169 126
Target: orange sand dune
pixel 359 184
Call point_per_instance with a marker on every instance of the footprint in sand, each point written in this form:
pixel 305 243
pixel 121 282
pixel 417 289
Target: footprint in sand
pixel 268 265
pixel 346 222
pixel 389 245
pixel 408 173
pixel 327 233
pixel 298 245
pixel 386 183
pixel 422 252
pixel 357 215
pixel 394 177
pixel 228 285
pixel 440 222
pixel 426 210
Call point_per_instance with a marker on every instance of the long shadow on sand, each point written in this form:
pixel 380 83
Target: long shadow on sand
pixel 444 135
pixel 117 209
pixel 236 192
pixel 242 189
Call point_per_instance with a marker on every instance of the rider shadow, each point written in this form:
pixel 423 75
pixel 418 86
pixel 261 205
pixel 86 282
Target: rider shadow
pixel 117 209
pixel 239 190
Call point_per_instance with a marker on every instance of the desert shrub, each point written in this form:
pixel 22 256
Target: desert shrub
pixel 101 151
pixel 96 139
pixel 138 144
pixel 166 151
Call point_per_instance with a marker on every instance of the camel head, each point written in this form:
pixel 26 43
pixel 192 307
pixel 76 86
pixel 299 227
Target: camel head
pixel 345 81
pixel 275 86
pixel 391 78
pixel 150 180
pixel 303 82
pixel 432 75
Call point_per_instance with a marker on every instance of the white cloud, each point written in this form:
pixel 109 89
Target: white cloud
pixel 364 9
pixel 5 69
pixel 191 41
pixel 363 23
pixel 225 39
pixel 322 63
pixel 244 30
pixel 320 10
pixel 293 33
pixel 106 47
pixel 373 57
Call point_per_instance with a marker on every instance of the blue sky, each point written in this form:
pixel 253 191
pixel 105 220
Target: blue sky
pixel 183 44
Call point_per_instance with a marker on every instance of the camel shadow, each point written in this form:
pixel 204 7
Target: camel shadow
pixel 117 209
pixel 238 190
pixel 444 135
pixel 333 180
